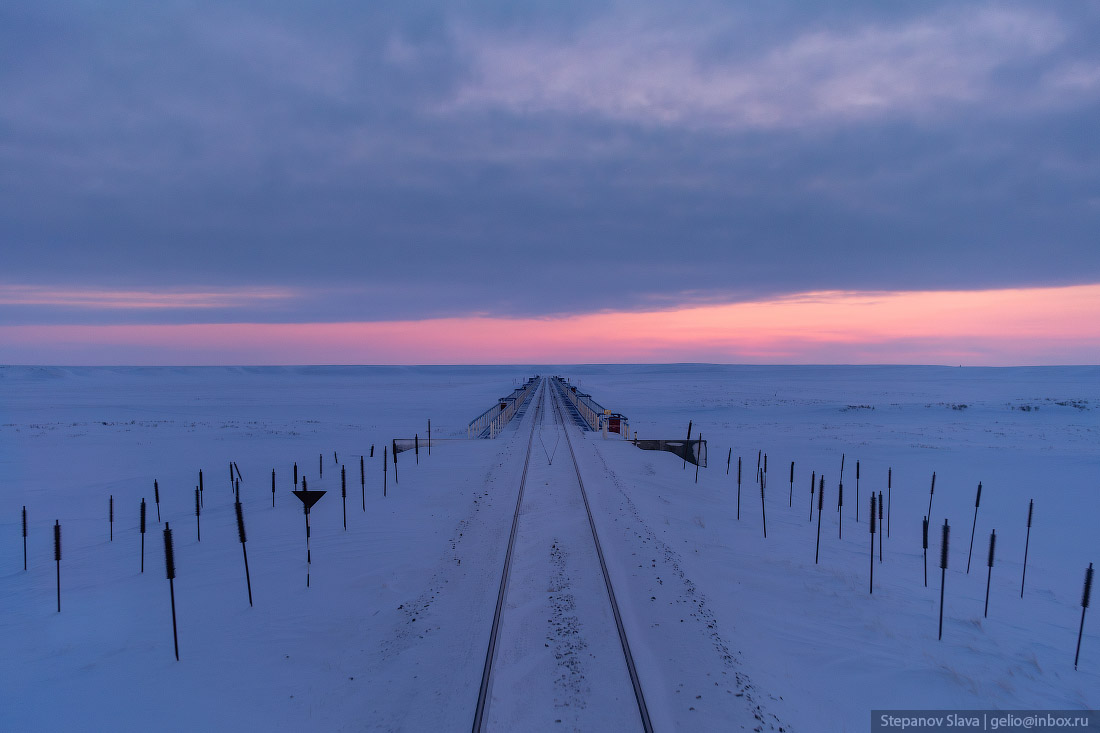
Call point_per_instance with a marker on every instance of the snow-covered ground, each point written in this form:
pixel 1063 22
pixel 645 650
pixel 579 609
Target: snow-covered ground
pixel 724 623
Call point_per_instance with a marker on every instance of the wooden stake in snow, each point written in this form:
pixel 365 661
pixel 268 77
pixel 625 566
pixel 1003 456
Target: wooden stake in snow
pixel 813 480
pixel 840 510
pixel 230 476
pixel 334 458
pixel 156 498
pixel 1027 541
pixel 872 527
pixel 238 470
pixel 273 488
pixel 924 535
pixel 930 492
pixel 200 482
pixel 729 457
pixel 384 469
pixel 1084 607
pixel 429 436
pixel 321 465
pixel 241 536
pixel 416 447
pixel 841 467
pixel 295 474
pixel 977 503
pixel 141 528
pixel 57 558
pixel 393 454
pixel 820 506
pixel 170 571
pixel 372 450
pixel 24 536
pixel 111 515
pixel 198 511
pixel 236 492
pixel 363 481
pixel 943 569
pixel 989 573
pixel 790 498
pixel 344 495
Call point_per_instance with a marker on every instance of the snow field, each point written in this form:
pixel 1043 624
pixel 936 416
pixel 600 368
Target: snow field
pixel 402 601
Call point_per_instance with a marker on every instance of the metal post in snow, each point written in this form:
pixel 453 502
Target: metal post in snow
pixel 989 574
pixel 1027 542
pixel 943 569
pixel 977 503
pixel 871 525
pixel 820 506
pixel 141 528
pixel 170 572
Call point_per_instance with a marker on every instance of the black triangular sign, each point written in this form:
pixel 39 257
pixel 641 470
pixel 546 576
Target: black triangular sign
pixel 309 498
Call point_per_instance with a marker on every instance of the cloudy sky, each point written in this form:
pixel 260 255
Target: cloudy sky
pixel 415 182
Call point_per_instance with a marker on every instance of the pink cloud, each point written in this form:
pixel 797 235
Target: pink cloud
pixel 1010 326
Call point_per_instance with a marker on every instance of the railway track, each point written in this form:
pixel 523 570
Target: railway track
pixel 555 578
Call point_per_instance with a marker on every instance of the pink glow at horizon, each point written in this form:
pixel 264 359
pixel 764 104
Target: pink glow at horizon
pixel 993 327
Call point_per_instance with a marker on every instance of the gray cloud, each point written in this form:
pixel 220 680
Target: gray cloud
pixel 401 161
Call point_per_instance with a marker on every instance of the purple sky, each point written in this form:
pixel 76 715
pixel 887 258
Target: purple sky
pixel 227 163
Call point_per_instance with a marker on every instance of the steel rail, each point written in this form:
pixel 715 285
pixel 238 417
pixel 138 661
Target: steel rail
pixel 639 696
pixel 487 671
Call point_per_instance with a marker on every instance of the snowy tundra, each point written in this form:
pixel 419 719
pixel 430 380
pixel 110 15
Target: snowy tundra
pixel 731 630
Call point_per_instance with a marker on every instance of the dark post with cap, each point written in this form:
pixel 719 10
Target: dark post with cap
pixel 1084 607
pixel 344 494
pixel 977 503
pixel 273 488
pixel 57 558
pixel 820 506
pixel 363 482
pixel 889 497
pixel 840 510
pixel 871 525
pixel 924 536
pixel 244 549
pixel 24 536
pixel 738 487
pixel 198 511
pixel 989 573
pixel 943 569
pixel 813 480
pixel 170 571
pixel 141 528
pixel 1027 542
pixel 763 514
pixel 790 497
pixel 857 491
pixel 879 524
pixel 931 491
